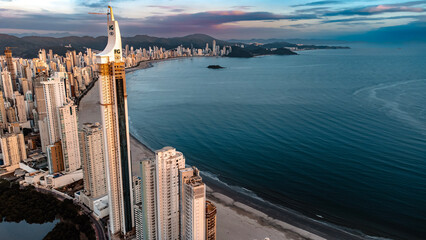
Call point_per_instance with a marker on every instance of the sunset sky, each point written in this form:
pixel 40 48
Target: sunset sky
pixel 223 19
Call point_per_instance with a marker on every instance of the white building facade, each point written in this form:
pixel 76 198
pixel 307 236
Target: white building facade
pixel 113 102
pixel 69 137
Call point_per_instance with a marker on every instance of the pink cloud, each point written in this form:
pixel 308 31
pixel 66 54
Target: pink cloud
pixel 390 8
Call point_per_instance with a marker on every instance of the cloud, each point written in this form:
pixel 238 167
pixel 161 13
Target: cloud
pixel 168 8
pixel 318 3
pixel 172 21
pixel 378 9
pixel 316 10
pixel 243 7
pixel 49 21
pixel 93 3
pixel 214 18
pixel 176 24
pixel 363 19
pixel 411 32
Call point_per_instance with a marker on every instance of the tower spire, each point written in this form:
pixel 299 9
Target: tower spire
pixel 111 13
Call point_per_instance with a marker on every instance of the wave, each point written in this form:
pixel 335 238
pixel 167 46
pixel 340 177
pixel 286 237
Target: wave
pixel 392 108
pixel 238 189
pixel 251 194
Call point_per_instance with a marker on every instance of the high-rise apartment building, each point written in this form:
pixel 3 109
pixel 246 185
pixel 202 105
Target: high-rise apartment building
pixel 11 115
pixel 44 134
pixel 55 158
pixel 168 162
pixel 210 221
pixel 7 84
pixel 192 205
pixel 39 95
pixel 20 106
pixel 13 149
pixel 54 96
pixel 137 201
pixel 214 47
pixel 113 101
pixel 3 116
pixel 11 67
pixel 68 123
pixel 93 160
pixel 137 190
pixel 146 211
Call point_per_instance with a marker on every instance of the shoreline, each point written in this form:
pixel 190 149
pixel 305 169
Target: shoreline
pixel 238 217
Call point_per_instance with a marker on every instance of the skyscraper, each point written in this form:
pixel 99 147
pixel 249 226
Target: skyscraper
pixel 69 137
pixel 146 213
pixel 54 96
pixel 116 130
pixel 55 158
pixel 93 160
pixel 168 162
pixel 20 106
pixel 39 96
pixel 44 134
pixel 192 202
pixel 214 47
pixel 11 116
pixel 3 116
pixel 11 67
pixel 7 84
pixel 13 148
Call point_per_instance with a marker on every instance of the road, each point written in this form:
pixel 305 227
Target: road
pixel 98 226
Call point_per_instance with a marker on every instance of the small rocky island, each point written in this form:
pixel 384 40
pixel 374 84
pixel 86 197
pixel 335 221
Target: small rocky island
pixel 215 67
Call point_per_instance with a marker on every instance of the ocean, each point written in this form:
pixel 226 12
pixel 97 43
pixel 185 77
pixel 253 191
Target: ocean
pixel 337 135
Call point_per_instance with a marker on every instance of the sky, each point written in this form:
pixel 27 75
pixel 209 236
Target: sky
pixel 223 19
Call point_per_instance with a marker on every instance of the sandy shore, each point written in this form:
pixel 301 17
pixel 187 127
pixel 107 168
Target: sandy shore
pixel 235 220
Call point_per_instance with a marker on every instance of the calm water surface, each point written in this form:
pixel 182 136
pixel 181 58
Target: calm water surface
pixel 336 133
pixel 24 230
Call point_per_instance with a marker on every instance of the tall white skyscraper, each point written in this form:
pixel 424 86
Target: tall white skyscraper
pixel 93 160
pixel 193 205
pixel 69 137
pixel 173 199
pixel 113 101
pixel 168 162
pixel 214 47
pixel 54 95
pixel 146 211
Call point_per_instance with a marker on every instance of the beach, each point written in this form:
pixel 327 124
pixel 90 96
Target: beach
pixel 236 217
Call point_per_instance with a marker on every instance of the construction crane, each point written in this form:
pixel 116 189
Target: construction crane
pixel 95 13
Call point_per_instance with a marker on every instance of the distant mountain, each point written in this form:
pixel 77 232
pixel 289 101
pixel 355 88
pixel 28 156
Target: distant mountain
pixel 28 46
pixel 300 47
pixel 252 51
pixel 53 34
pixel 293 41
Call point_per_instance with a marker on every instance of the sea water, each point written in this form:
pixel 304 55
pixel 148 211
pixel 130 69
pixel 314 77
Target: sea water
pixel 339 135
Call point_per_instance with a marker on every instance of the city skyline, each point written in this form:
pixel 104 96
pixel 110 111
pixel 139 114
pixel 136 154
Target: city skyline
pixel 197 138
pixel 224 19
